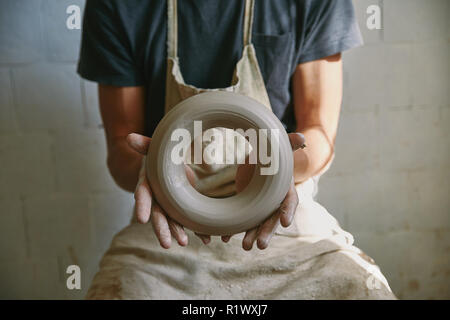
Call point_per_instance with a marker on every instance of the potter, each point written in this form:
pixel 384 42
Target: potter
pixel 234 64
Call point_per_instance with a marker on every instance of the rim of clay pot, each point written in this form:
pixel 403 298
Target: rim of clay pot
pixel 217 216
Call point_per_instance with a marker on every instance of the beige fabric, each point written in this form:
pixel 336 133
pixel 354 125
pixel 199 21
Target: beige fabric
pixel 135 267
pixel 312 259
pixel 215 178
pixel 322 265
pixel 247 80
pixel 247 77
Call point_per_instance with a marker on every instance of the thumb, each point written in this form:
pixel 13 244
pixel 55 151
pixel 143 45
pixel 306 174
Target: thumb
pixel 297 140
pixel 139 142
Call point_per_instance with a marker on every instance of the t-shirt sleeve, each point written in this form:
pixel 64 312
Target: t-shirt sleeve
pixel 106 55
pixel 329 27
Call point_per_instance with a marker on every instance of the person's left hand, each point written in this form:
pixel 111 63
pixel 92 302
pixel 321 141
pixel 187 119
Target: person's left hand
pixel 284 214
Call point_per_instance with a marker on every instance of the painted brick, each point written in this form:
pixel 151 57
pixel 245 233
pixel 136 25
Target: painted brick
pixel 417 267
pixel 389 202
pixel 329 197
pixel 63 44
pixel 444 116
pixel 431 73
pixel 415 20
pixel 110 213
pixel 431 195
pixel 413 138
pixel 398 203
pixel 378 76
pixel 58 224
pixel 81 162
pixel 369 36
pixel 27 166
pixel 20 31
pixel 88 261
pixel 398 64
pixel 30 279
pixel 7 118
pixel 13 243
pixel 356 146
pixel 48 96
pixel 353 200
pixel 363 86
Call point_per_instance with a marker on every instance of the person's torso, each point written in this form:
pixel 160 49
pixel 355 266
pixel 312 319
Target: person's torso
pixel 209 46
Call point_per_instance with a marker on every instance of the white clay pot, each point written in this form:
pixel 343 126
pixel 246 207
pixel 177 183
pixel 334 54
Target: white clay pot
pixel 217 216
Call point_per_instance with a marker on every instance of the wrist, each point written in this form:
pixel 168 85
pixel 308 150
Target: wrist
pixel 301 165
pixel 124 165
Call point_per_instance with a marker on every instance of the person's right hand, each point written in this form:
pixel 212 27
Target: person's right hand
pixel 146 206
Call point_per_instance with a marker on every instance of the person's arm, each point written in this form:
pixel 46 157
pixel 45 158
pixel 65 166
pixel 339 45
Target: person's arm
pixel 122 111
pixel 317 91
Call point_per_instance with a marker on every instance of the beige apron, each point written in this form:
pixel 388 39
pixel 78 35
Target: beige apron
pixel 247 79
pixel 312 259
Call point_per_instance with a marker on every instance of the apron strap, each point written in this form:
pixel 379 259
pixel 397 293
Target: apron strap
pixel 172 29
pixel 172 26
pixel 248 21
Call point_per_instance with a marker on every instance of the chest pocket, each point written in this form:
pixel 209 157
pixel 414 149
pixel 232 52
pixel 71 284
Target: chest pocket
pixel 274 53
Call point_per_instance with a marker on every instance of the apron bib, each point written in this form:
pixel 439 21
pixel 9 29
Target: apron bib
pixel 247 78
pixel 213 180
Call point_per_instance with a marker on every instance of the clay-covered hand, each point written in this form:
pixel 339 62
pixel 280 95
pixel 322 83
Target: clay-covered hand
pixel 146 206
pixel 285 213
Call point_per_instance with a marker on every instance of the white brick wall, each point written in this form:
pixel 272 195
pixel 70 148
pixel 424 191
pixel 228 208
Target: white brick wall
pixel 415 20
pixel 389 184
pixel 58 204
pixel 39 105
pixel 62 44
pixel 21 35
pixel 27 165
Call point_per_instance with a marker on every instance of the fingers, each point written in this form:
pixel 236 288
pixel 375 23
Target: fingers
pixel 143 198
pixel 161 226
pixel 226 238
pixel 165 228
pixel 244 174
pixel 267 230
pixel 191 176
pixel 178 232
pixel 297 140
pixel 249 238
pixel 284 215
pixel 205 238
pixel 288 206
pixel 139 142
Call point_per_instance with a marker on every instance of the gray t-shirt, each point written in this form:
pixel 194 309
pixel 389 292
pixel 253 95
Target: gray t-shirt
pixel 124 44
